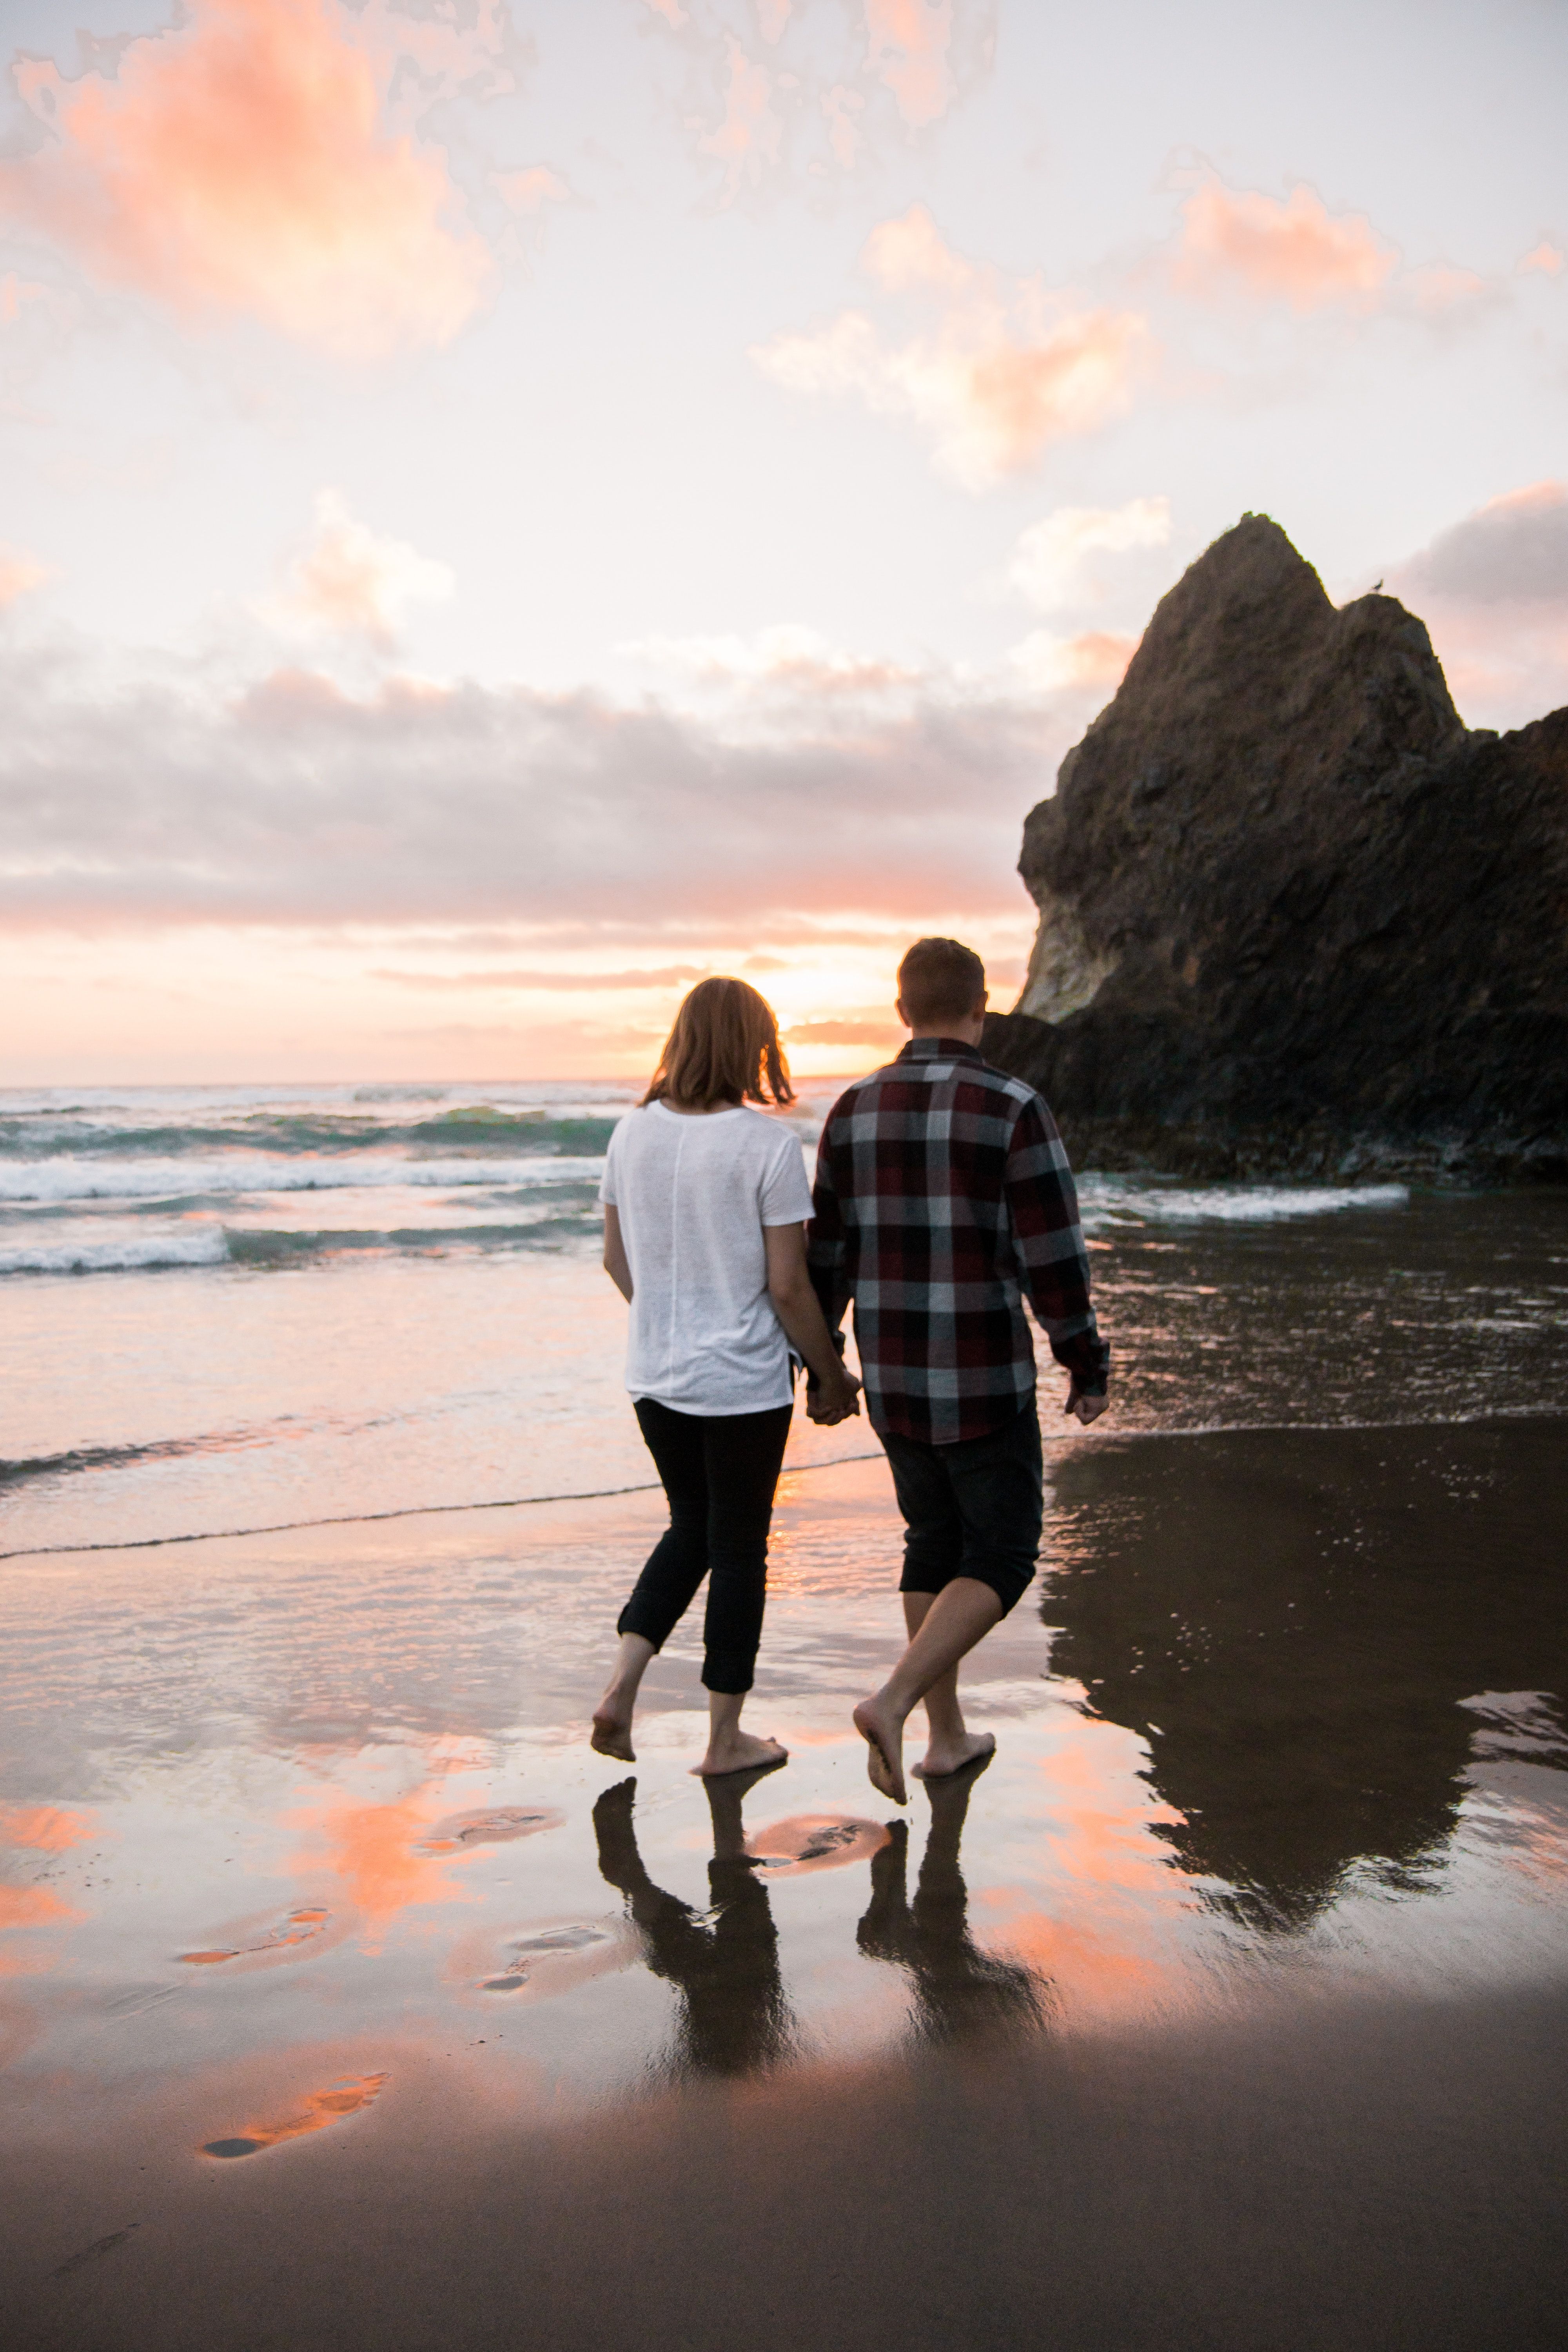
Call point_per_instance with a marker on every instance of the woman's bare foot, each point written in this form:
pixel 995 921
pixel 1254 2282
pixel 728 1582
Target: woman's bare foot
pixel 738 1751
pixel 612 1732
pixel 945 1756
pixel 883 1732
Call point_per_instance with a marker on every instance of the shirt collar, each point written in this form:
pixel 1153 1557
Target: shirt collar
pixel 941 1049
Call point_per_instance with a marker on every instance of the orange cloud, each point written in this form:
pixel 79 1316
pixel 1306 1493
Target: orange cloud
pixel 1546 257
pixel 1006 369
pixel 18 572
pixel 350 582
pixel 1297 252
pixel 747 141
pixel 238 163
pixel 527 191
pixel 1095 658
pixel 907 47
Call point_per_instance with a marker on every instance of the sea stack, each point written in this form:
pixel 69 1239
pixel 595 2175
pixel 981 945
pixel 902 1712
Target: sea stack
pixel 1295 916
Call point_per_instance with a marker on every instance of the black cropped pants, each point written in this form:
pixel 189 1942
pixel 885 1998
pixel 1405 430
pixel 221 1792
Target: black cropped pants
pixel 718 1472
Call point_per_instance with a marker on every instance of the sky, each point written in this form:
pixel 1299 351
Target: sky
pixel 512 508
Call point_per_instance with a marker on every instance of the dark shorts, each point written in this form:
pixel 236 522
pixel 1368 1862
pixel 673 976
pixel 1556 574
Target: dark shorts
pixel 971 1509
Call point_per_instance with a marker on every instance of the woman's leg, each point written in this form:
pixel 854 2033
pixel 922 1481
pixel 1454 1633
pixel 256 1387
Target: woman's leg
pixel 675 1568
pixel 744 1453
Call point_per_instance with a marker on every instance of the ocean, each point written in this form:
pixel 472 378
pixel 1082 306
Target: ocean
pixel 343 1986
pixel 237 1308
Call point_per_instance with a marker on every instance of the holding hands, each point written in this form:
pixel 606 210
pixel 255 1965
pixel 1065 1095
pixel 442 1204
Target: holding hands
pixel 832 1400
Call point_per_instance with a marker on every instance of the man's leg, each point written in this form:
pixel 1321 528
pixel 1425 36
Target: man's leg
pixel 961 1613
pixel 949 1744
pixel 993 1490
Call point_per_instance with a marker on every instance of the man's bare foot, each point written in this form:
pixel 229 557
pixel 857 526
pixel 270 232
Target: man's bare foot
pixel 737 1751
pixel 883 1733
pixel 943 1757
pixel 612 1732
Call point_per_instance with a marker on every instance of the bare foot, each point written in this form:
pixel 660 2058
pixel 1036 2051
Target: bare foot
pixel 612 1732
pixel 883 1733
pixel 943 1757
pixel 737 1751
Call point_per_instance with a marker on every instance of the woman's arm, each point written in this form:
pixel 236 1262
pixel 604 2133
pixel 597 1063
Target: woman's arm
pixel 617 1264
pixel 795 1305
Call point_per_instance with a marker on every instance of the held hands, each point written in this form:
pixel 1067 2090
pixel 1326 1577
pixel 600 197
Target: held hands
pixel 1084 1408
pixel 830 1401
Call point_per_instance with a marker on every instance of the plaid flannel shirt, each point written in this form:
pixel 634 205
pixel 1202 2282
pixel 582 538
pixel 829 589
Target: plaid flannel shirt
pixel 944 1197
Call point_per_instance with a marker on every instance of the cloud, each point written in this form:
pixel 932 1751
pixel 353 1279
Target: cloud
pixel 818 90
pixel 1003 370
pixel 907 45
pixel 1546 257
pixel 350 583
pixel 746 142
pixel 1494 590
pixel 1242 242
pixel 785 658
pixel 239 164
pixel 297 803
pixel 18 573
pixel 1051 564
pixel 560 983
pixel 529 191
pixel 1097 659
pixel 870 1029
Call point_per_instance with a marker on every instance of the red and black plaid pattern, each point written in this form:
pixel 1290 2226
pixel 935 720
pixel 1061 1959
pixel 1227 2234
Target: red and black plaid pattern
pixel 943 1199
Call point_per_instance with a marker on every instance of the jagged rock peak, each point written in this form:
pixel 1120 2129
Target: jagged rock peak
pixel 1289 906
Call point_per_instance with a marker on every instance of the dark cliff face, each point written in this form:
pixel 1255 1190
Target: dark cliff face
pixel 1293 914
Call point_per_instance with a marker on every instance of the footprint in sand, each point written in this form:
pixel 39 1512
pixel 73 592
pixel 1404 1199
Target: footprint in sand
pixel 497 1827
pixel 550 1942
pixel 321 2108
pixel 814 1841
pixel 298 1928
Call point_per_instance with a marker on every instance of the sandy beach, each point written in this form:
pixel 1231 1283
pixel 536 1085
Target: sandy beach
pixel 1225 2008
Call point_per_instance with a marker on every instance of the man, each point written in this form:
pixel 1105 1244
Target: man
pixel 944 1197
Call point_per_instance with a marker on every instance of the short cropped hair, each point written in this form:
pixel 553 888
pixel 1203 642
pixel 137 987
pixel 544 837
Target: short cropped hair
pixel 939 980
pixel 724 1047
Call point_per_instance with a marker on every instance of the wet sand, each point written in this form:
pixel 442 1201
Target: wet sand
pixel 348 1997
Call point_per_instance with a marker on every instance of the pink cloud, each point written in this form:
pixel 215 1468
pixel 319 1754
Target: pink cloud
pixel 239 164
pixel 1240 241
pixel 529 191
pixel 18 573
pixel 1546 257
pixel 1002 369
pixel 907 45
pixel 348 581
pixel 747 141
pixel 672 12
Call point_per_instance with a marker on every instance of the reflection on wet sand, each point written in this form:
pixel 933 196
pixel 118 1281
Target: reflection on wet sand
pixel 959 1989
pixel 1297 1624
pixel 319 2109
pixel 733 2017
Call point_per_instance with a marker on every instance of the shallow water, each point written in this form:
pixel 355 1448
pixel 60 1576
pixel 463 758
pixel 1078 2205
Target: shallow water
pixel 303 1849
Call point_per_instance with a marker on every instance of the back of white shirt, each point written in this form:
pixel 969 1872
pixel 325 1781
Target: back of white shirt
pixel 693 1196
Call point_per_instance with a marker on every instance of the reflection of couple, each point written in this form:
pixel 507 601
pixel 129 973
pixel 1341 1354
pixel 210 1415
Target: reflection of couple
pixel 724 1963
pixel 943 1197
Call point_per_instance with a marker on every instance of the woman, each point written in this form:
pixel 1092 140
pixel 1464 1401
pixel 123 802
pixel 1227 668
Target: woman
pixel 705 1208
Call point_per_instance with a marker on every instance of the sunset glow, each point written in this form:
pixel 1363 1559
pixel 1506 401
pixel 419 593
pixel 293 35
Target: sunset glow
pixel 512 510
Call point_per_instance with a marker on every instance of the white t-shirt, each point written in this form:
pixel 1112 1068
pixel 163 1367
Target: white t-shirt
pixel 693 1194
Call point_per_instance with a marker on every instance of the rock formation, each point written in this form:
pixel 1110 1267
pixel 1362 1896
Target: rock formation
pixel 1294 915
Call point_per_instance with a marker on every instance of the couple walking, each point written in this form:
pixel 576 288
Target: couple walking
pixel 942 1198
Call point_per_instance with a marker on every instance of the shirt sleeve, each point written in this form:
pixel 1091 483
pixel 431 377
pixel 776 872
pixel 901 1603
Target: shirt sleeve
pixel 830 1253
pixel 1042 1204
pixel 786 1195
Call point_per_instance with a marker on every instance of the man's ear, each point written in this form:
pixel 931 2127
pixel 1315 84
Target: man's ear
pixel 899 1009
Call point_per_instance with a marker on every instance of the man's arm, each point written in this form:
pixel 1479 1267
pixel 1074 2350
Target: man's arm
pixel 1042 1203
pixel 830 1252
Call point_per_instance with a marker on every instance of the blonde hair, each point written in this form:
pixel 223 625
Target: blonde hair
pixel 724 1047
